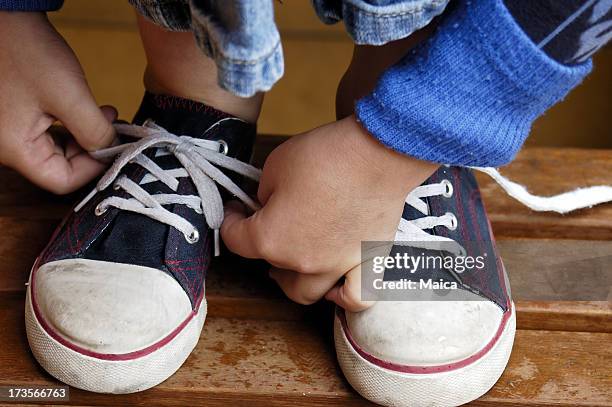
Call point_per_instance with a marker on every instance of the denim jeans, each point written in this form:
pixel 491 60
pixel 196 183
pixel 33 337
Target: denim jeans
pixel 242 38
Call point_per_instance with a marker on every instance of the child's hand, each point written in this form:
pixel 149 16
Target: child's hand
pixel 41 81
pixel 323 192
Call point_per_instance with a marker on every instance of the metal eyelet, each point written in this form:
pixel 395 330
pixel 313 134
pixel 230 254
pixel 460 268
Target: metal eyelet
pixel 453 221
pixel 224 147
pixel 193 237
pixel 100 210
pixel 116 186
pixel 449 188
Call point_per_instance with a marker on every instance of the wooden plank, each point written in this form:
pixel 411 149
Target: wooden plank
pixel 589 316
pixel 240 288
pixel 543 170
pixel 234 290
pixel 286 362
pixel 555 369
pixel 549 171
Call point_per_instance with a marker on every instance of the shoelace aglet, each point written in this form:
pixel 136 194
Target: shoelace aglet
pixel 85 200
pixel 217 242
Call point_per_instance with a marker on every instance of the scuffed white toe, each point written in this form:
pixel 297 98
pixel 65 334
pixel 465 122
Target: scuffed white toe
pixel 109 307
pixel 109 327
pixel 423 333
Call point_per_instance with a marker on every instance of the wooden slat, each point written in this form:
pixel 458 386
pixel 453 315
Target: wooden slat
pixel 239 288
pixel 548 171
pixel 591 316
pixel 236 290
pixel 285 362
pixel 543 170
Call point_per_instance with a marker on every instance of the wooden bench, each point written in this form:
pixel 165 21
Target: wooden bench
pixel 258 348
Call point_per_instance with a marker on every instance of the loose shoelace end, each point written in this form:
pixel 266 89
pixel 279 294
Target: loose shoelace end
pixel 217 241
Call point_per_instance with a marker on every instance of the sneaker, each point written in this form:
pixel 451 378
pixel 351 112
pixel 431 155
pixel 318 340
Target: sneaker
pixel 115 302
pixel 438 351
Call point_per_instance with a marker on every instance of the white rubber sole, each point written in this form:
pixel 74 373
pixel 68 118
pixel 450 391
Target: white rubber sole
pixel 451 388
pixel 111 376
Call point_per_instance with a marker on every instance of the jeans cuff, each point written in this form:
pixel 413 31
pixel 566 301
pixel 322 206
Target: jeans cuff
pixel 239 71
pixel 378 25
pixel 173 15
pixel 246 78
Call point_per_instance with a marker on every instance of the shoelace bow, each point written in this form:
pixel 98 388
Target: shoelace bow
pixel 196 156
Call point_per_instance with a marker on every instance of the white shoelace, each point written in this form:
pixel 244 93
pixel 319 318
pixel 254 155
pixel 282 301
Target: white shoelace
pixel 197 157
pixel 413 230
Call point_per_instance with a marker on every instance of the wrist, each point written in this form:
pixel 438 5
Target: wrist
pixel 397 172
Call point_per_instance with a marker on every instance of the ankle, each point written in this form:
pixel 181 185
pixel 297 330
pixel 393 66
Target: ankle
pixel 247 109
pixel 177 67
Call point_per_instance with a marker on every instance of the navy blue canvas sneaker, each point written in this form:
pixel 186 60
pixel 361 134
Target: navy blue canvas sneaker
pixel 115 302
pixel 432 347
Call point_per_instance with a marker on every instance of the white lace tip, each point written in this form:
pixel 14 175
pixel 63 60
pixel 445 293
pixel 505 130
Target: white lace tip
pixel 217 243
pixel 85 200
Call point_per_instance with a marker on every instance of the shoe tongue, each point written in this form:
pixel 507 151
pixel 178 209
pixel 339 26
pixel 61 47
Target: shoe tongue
pixel 137 239
pixel 185 117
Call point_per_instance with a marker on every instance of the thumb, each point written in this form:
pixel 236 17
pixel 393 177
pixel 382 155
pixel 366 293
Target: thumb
pixel 239 232
pixel 347 294
pixel 90 125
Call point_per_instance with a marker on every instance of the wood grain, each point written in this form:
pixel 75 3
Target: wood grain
pixel 548 276
pixel 549 171
pixel 285 362
pixel 586 316
pixel 240 288
pixel 260 349
pixel 543 170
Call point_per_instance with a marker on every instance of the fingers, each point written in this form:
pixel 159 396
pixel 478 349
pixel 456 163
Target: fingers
pixel 109 112
pixel 303 288
pixel 307 289
pixel 54 168
pixel 58 164
pixel 347 294
pixel 89 124
pixel 238 231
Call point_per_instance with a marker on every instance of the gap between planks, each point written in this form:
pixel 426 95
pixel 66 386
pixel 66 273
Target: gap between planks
pixel 288 362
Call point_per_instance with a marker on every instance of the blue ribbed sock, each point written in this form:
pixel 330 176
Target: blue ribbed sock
pixel 469 95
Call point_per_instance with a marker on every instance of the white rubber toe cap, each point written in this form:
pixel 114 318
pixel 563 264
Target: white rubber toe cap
pixel 425 333
pixel 109 308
